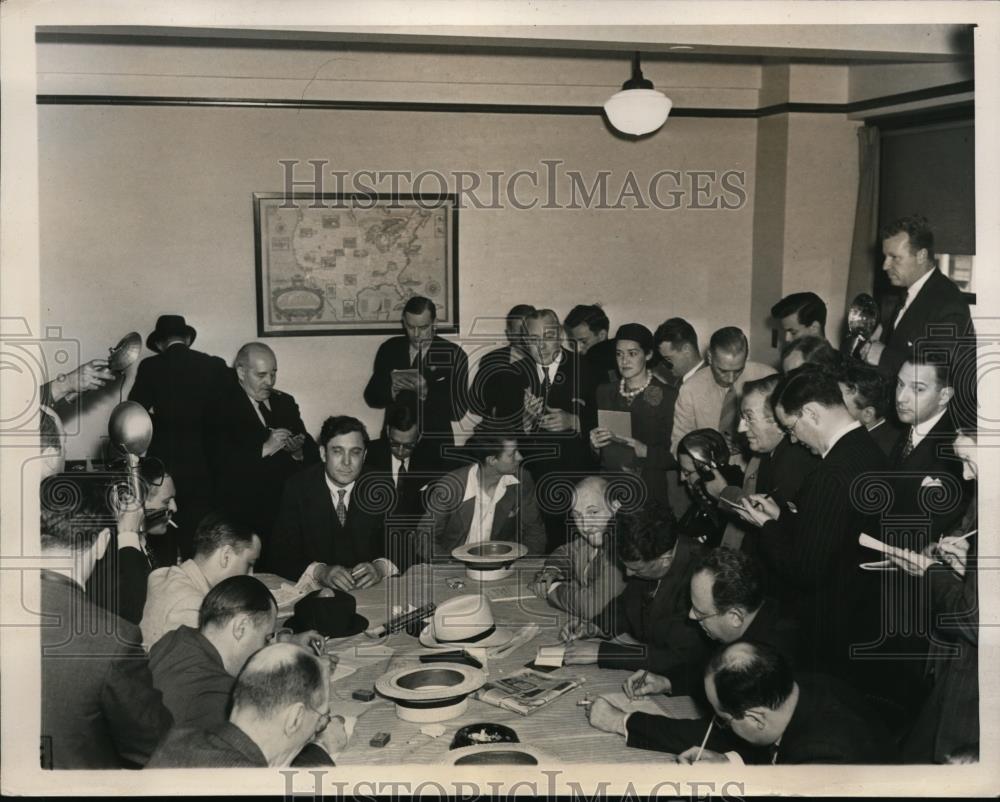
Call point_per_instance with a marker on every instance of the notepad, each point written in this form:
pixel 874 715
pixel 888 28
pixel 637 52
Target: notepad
pixel 551 656
pixel 615 421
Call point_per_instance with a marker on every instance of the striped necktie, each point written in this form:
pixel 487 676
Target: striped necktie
pixel 341 507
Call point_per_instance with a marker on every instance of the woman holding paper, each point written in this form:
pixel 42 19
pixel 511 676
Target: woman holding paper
pixel 636 415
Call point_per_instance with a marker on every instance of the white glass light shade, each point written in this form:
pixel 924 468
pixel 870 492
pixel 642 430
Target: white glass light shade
pixel 638 111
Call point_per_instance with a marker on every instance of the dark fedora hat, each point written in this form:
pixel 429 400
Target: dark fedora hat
pixel 331 613
pixel 170 326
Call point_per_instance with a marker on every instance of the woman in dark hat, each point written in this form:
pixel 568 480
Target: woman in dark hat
pixel 650 404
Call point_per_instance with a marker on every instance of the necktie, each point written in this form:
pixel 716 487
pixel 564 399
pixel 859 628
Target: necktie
pixel 400 477
pixel 727 418
pixel 265 413
pixel 544 390
pixel 341 507
pixel 908 448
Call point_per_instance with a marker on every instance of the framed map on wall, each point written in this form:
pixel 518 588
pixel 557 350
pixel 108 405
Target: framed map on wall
pixel 348 263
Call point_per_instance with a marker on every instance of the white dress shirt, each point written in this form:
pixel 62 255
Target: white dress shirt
pixel 921 430
pixel 911 293
pixel 395 462
pixel 551 369
pixel 486 504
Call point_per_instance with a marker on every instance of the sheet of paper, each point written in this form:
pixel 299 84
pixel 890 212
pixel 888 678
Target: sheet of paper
pixel 550 655
pixel 643 704
pixel 618 422
pixel 287 594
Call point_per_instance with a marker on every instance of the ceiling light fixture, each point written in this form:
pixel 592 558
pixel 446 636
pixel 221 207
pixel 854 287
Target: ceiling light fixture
pixel 638 109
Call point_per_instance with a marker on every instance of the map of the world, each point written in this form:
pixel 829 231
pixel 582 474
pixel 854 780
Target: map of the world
pixel 351 268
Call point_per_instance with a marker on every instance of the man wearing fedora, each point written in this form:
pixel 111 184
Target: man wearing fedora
pixel 180 388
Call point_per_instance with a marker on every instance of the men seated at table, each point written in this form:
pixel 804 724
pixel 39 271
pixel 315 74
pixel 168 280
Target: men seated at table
pixel 728 603
pixel 810 350
pixel 281 703
pixel 647 625
pixel 811 548
pixel 868 396
pixel 491 499
pixel 404 457
pixel 801 314
pixel 119 580
pixel 582 576
pixel 99 707
pixel 498 408
pixel 710 398
pixel 223 548
pixel 262 440
pixel 434 370
pixel 793 718
pixel 330 530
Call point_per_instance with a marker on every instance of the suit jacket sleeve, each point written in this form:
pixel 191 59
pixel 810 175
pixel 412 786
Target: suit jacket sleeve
pixel 459 385
pixel 310 451
pixel 378 393
pixel 133 707
pixel 312 755
pixel 954 602
pixel 659 455
pixel 287 555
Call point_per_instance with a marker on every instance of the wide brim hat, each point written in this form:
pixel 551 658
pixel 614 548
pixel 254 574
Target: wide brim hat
pixel 169 326
pixel 489 555
pixel 471 614
pixel 499 754
pixel 333 616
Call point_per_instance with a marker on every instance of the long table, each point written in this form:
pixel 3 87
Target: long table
pixel 560 729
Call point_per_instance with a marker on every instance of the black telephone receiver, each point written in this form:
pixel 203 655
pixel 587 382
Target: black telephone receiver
pixel 705 470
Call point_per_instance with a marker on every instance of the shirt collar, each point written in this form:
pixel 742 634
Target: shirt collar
pixel 550 369
pixel 840 433
pixel 921 430
pixel 335 489
pixel 472 486
pixel 691 372
pixel 917 285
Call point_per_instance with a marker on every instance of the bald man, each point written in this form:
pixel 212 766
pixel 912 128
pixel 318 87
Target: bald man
pixel 262 440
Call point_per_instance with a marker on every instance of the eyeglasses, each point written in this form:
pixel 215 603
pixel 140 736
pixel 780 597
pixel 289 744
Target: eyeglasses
pixel 791 428
pixel 403 446
pixel 324 719
pixel 700 618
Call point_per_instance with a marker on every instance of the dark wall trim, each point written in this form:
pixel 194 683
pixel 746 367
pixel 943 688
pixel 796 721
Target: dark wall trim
pixel 500 108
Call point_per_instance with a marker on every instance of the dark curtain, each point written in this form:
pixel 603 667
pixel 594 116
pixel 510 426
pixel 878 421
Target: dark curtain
pixel 864 259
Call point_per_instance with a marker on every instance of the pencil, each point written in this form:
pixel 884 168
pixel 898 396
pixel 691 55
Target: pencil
pixel 701 749
pixel 641 682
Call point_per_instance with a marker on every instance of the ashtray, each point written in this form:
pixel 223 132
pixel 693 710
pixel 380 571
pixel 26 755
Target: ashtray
pixel 483 734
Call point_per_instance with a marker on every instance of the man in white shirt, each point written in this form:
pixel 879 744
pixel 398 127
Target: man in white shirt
pixel 330 530
pixel 492 499
pixel 710 398
pixel 222 548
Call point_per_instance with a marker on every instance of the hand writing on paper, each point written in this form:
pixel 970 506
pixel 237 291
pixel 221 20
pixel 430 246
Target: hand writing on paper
pixel 644 683
pixel 690 756
pixel 605 716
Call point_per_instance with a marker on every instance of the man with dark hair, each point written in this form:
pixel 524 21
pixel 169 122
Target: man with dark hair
pixel 810 350
pixel 868 397
pixel 653 609
pixel 587 326
pixel 812 548
pixel 331 527
pixel 262 440
pixel 195 667
pixel 431 369
pixel 499 410
pixel 223 548
pixel 729 604
pixel 677 343
pixel 281 703
pixel 710 398
pixel 99 707
pixel 930 300
pixel 558 410
pixel 404 457
pixel 800 314
pixel 791 718
pixel 491 499
pixel 181 389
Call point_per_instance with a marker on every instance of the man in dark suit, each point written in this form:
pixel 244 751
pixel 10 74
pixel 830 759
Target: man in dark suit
pixel 653 609
pixel 801 314
pixel 404 457
pixel 498 368
pixel 728 603
pixel 281 703
pixel 432 368
pixel 932 305
pixel 789 718
pixel 332 518
pixel 99 707
pixel 812 547
pixel 587 326
pixel 491 499
pixel 262 442
pixel 868 397
pixel 181 389
pixel 558 409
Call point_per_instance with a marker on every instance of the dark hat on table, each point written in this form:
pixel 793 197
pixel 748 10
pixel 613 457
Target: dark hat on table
pixel 170 326
pixel 332 613
pixel 637 333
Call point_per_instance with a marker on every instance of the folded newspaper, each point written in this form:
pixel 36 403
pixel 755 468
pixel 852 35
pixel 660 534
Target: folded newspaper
pixel 526 691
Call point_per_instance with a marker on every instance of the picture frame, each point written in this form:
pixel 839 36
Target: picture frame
pixel 346 263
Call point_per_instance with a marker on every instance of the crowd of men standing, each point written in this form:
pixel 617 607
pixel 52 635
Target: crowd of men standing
pixel 728 512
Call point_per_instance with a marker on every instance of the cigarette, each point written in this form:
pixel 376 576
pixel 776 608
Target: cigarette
pixel 170 522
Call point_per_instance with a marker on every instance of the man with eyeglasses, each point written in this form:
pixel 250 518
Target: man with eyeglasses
pixel 281 708
pixel 812 550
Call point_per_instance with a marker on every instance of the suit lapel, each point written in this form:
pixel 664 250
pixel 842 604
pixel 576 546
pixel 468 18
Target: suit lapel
pixel 506 505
